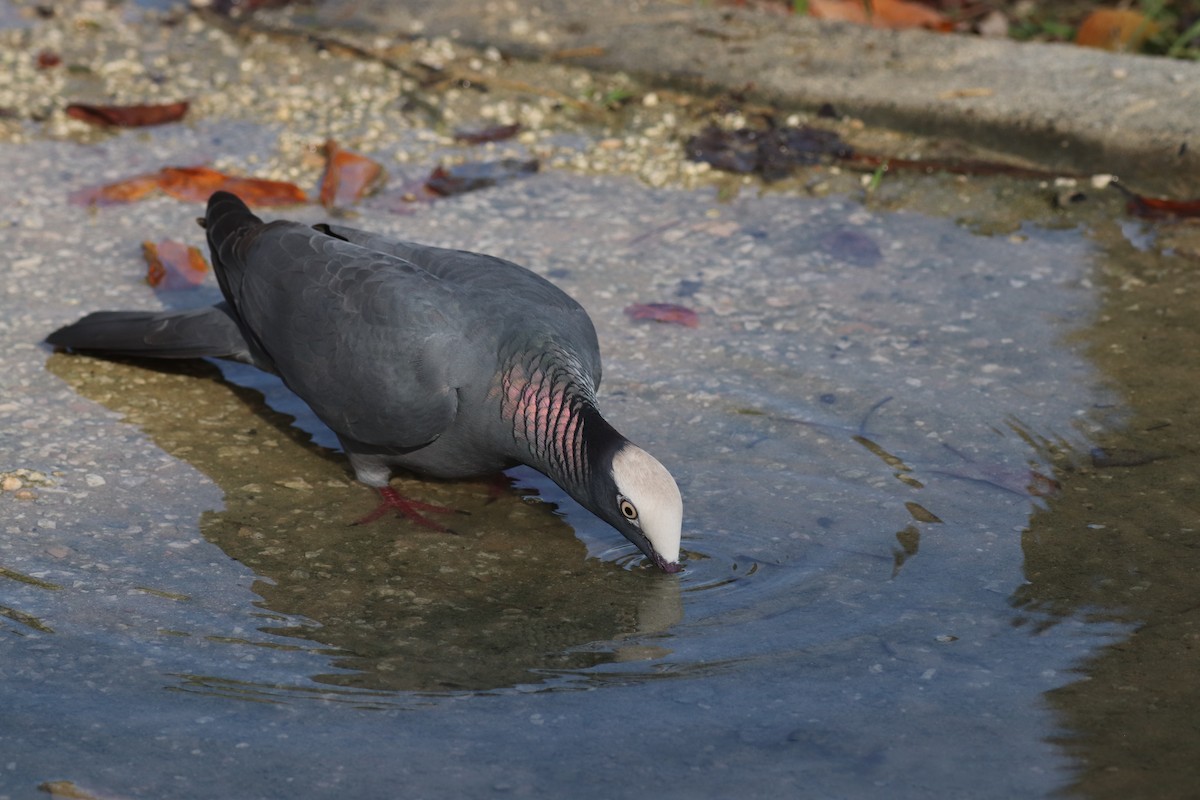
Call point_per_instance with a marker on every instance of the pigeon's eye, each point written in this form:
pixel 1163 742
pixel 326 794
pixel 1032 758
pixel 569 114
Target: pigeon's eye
pixel 628 510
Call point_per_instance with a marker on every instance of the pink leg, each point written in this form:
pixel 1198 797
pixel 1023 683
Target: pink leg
pixel 498 486
pixel 390 500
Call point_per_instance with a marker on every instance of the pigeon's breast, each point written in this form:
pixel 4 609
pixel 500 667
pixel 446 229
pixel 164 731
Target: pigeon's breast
pixel 452 456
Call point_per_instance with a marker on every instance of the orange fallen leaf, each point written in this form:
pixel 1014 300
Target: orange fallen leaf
pixel 893 14
pixel 192 184
pixel 261 192
pixel 664 312
pixel 125 191
pixel 1115 29
pixel 173 265
pixel 137 116
pixel 348 176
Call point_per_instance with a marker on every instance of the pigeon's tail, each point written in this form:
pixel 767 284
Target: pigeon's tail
pixel 204 332
pixel 228 221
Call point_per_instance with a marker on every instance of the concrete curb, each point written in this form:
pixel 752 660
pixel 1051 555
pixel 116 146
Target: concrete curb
pixel 1067 108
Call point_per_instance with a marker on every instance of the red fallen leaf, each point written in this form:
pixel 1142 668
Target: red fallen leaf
pixel 894 14
pixel 348 176
pixel 490 133
pixel 447 181
pixel 47 59
pixel 664 312
pixel 127 116
pixel 1154 207
pixel 173 265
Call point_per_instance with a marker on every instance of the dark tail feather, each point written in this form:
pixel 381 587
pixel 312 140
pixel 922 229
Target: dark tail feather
pixel 204 332
pixel 228 220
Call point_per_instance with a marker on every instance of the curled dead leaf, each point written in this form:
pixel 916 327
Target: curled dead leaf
pixel 348 176
pixel 135 116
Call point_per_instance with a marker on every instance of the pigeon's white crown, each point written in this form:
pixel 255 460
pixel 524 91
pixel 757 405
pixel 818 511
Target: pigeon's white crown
pixel 644 482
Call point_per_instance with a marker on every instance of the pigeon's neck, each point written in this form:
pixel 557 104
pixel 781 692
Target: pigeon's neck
pixel 551 405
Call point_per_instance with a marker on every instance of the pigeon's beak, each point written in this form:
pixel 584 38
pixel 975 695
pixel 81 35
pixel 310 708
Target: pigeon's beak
pixel 669 567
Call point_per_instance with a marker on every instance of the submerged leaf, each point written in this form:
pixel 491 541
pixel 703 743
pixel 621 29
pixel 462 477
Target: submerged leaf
pixel 773 152
pixel 173 265
pixel 664 312
pixel 447 181
pixel 137 116
pixel 920 513
pixel 488 133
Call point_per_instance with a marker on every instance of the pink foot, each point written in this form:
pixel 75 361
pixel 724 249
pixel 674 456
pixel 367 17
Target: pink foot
pixel 390 500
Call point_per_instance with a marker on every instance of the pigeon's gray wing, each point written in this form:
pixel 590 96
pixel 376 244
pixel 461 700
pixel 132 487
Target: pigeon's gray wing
pixel 371 342
pixel 489 275
pixel 197 333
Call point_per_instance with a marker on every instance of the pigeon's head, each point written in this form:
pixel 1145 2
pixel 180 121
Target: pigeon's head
pixel 645 505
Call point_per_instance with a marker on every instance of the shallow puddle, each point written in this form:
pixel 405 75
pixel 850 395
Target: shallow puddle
pixel 937 454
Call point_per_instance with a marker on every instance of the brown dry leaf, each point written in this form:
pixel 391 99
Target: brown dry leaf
pixel 893 14
pixel 138 116
pixel 173 265
pixel 664 312
pixel 348 176
pixel 1122 30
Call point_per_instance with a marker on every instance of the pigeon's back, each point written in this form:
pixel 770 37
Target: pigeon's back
pixel 386 339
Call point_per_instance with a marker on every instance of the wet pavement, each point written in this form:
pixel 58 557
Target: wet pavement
pixel 936 449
